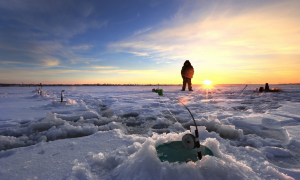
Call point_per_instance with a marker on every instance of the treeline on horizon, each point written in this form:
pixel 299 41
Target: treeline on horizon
pixel 41 84
pixel 33 85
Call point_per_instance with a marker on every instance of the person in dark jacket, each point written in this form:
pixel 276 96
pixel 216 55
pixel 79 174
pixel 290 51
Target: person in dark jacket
pixel 267 88
pixel 187 73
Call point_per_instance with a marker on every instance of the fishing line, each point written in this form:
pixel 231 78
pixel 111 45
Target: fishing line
pixel 186 108
pixel 168 110
pixel 189 140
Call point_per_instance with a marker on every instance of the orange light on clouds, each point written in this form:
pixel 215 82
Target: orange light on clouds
pixel 254 46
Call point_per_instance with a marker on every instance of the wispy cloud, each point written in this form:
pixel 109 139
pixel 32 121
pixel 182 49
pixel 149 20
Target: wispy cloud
pixel 82 47
pixel 120 71
pixel 43 52
pixel 269 29
pixel 43 29
pixel 50 61
pixel 103 67
pixel 9 62
pixel 15 71
pixel 46 61
pixel 141 31
pixel 139 53
pixel 59 24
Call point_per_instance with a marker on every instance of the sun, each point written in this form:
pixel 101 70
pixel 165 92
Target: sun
pixel 207 82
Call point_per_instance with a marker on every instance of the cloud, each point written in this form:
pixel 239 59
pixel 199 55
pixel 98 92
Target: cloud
pixel 220 33
pixel 139 53
pixel 102 67
pixel 35 52
pixel 128 71
pixel 42 61
pixel 141 31
pixel 82 47
pixel 9 62
pixel 51 61
pixel 52 17
pixel 23 72
pixel 36 30
pixel 154 3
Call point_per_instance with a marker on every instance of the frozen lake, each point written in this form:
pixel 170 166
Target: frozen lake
pixel 110 132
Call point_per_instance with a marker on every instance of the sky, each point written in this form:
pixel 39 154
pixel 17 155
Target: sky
pixel 147 41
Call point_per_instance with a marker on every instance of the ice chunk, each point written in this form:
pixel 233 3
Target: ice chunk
pixel 161 123
pixel 279 152
pixel 50 121
pixel 176 127
pixel 225 131
pixel 42 138
pixel 8 142
pixel 90 115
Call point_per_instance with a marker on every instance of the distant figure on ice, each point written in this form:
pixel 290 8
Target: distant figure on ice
pixel 187 73
pixel 267 87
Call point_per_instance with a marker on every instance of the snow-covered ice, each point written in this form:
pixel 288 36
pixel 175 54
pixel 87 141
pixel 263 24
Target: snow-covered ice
pixel 110 132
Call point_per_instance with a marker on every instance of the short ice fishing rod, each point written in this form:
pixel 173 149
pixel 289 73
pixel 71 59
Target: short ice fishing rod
pixel 189 140
pixel 242 90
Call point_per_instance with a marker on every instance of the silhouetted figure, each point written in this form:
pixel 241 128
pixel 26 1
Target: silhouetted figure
pixel 267 87
pixel 187 73
pixel 261 89
pixel 62 96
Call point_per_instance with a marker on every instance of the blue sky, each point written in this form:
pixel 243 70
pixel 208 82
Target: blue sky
pixel 138 41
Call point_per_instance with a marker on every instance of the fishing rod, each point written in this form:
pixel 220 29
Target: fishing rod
pixel 189 141
pixel 244 88
pixel 189 138
pixel 242 91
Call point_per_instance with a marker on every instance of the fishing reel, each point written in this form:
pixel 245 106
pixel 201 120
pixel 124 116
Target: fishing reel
pixel 158 91
pixel 190 142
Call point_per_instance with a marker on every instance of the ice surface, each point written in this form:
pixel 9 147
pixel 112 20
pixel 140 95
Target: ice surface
pixel 112 132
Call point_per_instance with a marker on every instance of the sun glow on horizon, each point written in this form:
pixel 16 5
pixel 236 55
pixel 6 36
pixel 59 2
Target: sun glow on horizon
pixel 207 82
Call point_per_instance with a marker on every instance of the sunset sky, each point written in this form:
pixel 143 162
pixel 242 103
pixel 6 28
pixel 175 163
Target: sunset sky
pixel 147 41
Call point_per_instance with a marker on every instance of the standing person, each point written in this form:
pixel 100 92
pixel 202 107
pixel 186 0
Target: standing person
pixel 267 87
pixel 187 73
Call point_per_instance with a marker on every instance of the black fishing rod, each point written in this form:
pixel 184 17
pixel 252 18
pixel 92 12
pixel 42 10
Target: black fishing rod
pixel 242 90
pixel 189 141
pixel 189 136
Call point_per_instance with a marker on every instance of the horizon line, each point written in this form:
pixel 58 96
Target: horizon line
pixel 129 84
